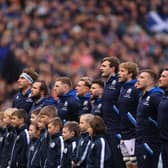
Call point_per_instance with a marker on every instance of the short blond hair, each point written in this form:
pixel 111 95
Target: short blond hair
pixel 10 111
pixel 87 117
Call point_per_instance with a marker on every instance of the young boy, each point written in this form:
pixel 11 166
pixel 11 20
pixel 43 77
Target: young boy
pixel 34 133
pixel 46 114
pixel 56 144
pixel 8 137
pixel 84 141
pixel 20 146
pixel 70 135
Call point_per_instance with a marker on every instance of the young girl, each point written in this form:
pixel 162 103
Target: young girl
pixel 34 133
pixel 84 141
pixel 99 155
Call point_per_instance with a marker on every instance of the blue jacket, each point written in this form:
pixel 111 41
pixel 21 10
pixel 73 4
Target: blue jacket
pixel 23 101
pixel 54 152
pixel 97 107
pixel 3 132
pixel 109 98
pixel 82 150
pixel 69 152
pixel 99 155
pixel 45 101
pixel 20 147
pixel 163 118
pixel 40 154
pixel 7 146
pixel 34 142
pixel 147 111
pixel 85 104
pixel 128 102
pixel 68 107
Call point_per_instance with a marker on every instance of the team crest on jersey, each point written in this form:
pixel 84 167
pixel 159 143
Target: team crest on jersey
pixel 32 148
pixel 1 139
pixel 146 103
pixel 82 142
pixel 99 106
pixel 113 85
pixel 85 103
pixel 52 144
pixel 65 106
pixel 128 93
pixel 92 146
pixel 65 150
pixel 17 97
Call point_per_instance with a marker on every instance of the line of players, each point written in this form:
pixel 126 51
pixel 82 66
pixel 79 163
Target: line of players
pixel 127 124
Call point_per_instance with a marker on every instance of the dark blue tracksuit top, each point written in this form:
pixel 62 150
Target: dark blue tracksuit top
pixel 45 101
pixel 82 150
pixel 3 132
pixel 163 118
pixel 109 98
pixel 68 107
pixel 147 111
pixel 97 107
pixel 39 156
pixel 54 151
pixel 34 142
pixel 99 155
pixel 128 102
pixel 7 146
pixel 23 101
pixel 85 104
pixel 20 147
pixel 69 152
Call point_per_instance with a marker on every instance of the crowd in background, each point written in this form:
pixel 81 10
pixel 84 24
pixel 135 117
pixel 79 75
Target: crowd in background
pixel 70 37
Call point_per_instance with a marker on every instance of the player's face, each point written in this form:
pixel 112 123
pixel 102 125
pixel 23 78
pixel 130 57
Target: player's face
pixel 52 129
pixel 22 83
pixel 83 125
pixel 144 80
pixel 163 80
pixel 96 91
pixel 67 134
pixel 36 90
pixel 59 88
pixel 32 130
pixel 105 69
pixel 81 89
pixel 122 74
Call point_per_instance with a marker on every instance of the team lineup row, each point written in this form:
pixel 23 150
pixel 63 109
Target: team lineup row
pixel 125 112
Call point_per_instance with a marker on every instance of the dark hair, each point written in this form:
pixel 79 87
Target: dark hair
pixel 98 125
pixel 35 125
pixel 36 111
pixel 20 113
pixel 73 126
pixel 152 74
pixel 99 82
pixel 114 62
pixel 43 87
pixel 56 121
pixel 65 80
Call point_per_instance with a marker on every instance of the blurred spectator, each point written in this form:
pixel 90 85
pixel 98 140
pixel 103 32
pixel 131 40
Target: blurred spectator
pixel 71 37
